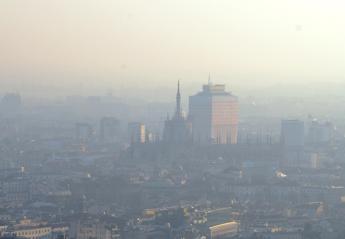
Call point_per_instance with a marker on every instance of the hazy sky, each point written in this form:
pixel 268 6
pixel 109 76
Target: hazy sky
pixel 102 44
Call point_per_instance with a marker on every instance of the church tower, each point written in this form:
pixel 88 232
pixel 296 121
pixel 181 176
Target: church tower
pixel 177 130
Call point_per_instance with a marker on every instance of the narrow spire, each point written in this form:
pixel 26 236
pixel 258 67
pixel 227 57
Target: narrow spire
pixel 209 79
pixel 178 113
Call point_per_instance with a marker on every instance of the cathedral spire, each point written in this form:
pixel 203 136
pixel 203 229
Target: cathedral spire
pixel 178 113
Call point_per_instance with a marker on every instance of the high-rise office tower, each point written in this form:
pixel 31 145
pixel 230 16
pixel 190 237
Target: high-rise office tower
pixel 137 133
pixel 177 130
pixel 214 115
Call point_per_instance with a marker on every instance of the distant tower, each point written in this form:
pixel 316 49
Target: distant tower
pixel 214 115
pixel 177 130
pixel 292 140
pixel 137 133
pixel 178 113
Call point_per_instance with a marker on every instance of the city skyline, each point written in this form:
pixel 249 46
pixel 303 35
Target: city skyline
pixel 172 119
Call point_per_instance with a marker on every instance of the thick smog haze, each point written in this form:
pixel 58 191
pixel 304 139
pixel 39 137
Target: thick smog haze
pixel 80 46
pixel 172 119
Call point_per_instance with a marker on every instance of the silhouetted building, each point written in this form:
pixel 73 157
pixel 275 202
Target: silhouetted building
pixel 137 132
pixel 214 115
pixel 320 133
pixel 151 137
pixel 109 129
pixel 178 129
pixel 292 133
pixel 292 141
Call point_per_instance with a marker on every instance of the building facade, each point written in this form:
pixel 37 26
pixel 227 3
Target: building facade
pixel 292 133
pixel 137 133
pixel 292 141
pixel 214 115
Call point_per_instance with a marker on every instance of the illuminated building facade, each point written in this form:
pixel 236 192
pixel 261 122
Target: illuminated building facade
pixel 214 115
pixel 137 133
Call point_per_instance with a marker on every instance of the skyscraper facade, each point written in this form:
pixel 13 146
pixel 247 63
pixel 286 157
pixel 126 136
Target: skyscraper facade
pixel 214 115
pixel 137 133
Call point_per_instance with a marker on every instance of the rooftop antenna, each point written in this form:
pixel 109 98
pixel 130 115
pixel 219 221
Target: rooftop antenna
pixel 209 79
